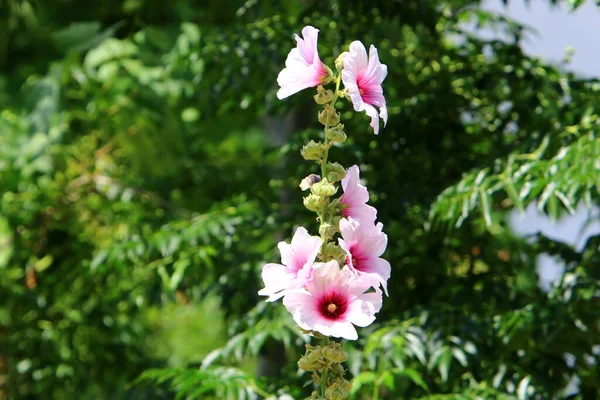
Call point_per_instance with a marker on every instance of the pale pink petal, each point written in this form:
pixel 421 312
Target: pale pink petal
pixel 276 278
pixel 302 251
pixel 362 311
pixel 302 307
pixel 355 198
pixel 303 67
pixel 324 276
pixel 362 76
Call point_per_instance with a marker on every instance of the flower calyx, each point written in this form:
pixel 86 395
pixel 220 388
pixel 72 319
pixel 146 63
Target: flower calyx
pixel 313 150
pixel 323 188
pixel 323 95
pixel 336 134
pixel 328 116
pixel 334 172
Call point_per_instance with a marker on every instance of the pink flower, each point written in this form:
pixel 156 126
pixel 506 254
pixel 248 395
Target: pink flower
pixel 355 199
pixel 364 245
pixel 303 67
pixel 297 259
pixel 334 301
pixel 362 77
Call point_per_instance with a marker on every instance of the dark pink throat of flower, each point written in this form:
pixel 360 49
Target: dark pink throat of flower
pixel 359 261
pixel 364 88
pixel 333 305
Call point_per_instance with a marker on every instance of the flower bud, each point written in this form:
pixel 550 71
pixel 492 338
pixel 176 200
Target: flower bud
pixel 329 116
pixel 334 392
pixel 326 230
pixel 334 172
pixel 336 134
pixel 313 353
pixel 307 365
pixel 309 181
pixel 339 62
pixel 335 353
pixel 337 371
pixel 313 150
pixel 315 203
pixel 323 188
pixel 334 252
pixel 323 95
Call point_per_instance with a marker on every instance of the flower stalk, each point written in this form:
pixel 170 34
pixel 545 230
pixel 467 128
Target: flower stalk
pixel 329 297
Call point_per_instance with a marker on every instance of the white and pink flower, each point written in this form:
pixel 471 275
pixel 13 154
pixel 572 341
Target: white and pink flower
pixel 303 67
pixel 364 245
pixel 355 198
pixel 296 265
pixel 362 76
pixel 334 301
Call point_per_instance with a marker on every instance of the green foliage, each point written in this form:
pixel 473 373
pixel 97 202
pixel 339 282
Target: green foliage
pixel 147 172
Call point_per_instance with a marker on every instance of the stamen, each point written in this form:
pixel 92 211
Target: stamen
pixel 331 308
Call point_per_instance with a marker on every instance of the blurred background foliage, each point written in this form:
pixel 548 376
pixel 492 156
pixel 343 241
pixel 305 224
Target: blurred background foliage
pixel 147 172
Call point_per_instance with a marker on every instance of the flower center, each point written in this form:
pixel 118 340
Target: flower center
pixel 333 305
pixel 359 261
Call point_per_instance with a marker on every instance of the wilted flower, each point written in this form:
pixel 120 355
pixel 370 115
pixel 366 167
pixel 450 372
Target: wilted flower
pixel 297 259
pixel 303 67
pixel 355 197
pixel 334 301
pixel 364 245
pixel 362 76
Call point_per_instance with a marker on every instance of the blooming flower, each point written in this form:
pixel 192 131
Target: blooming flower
pixel 297 260
pixel 334 301
pixel 303 67
pixel 355 199
pixel 362 77
pixel 364 245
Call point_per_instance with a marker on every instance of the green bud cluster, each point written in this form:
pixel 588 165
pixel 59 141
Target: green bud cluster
pixel 325 363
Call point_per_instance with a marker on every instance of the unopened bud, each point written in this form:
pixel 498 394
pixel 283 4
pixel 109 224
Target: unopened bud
pixel 313 150
pixel 327 231
pixel 309 181
pixel 336 134
pixel 334 172
pixel 323 95
pixel 323 188
pixel 339 62
pixel 337 370
pixel 334 392
pixel 329 116
pixel 334 252
pixel 307 365
pixel 315 203
pixel 335 353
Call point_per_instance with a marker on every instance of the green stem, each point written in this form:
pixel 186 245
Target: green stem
pixel 338 80
pixel 323 381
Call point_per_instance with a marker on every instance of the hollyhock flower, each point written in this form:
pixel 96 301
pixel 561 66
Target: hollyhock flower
pixel 297 260
pixel 364 245
pixel 303 67
pixel 355 199
pixel 362 77
pixel 334 301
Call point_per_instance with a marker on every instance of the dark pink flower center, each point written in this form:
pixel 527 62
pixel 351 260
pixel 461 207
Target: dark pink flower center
pixel 333 305
pixel 365 88
pixel 360 261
